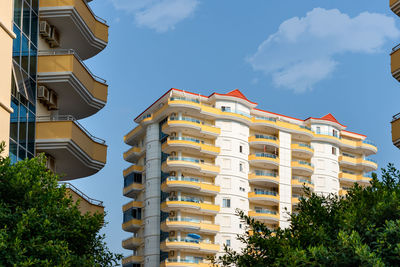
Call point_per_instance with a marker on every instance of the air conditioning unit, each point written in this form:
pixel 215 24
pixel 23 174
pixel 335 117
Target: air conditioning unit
pixel 50 163
pixel 172 233
pixel 54 38
pixel 172 213
pixel 53 101
pixel 44 29
pixel 43 94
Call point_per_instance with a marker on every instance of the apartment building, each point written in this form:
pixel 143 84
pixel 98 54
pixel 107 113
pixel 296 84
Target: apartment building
pixel 47 88
pixel 395 68
pixel 195 159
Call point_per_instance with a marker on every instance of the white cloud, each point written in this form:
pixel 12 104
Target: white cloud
pixel 302 52
pixel 160 15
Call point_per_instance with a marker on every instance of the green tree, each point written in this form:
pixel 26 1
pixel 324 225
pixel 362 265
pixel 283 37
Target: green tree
pixel 361 229
pixel 40 226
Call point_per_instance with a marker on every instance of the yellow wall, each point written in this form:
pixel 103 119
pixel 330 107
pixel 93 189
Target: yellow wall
pixel 6 38
pixel 84 205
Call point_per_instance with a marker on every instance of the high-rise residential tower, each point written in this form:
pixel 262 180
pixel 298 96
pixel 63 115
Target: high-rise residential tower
pixel 395 67
pixel 196 159
pixel 46 86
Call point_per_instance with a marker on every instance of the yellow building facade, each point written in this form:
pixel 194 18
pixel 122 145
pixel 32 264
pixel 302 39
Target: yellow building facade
pixel 395 69
pixel 46 87
pixel 195 159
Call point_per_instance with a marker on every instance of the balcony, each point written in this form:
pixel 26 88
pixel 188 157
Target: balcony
pixel 86 204
pixel 77 153
pixel 80 93
pixel 301 150
pixel 354 178
pixel 258 141
pixel 132 190
pixel 362 164
pixel 396 130
pixel 327 137
pixel 130 137
pixel 259 177
pixel 395 62
pixel 366 147
pixel 299 182
pixel 182 262
pixel 132 243
pixel 79 28
pixel 395 6
pixel 296 199
pixel 301 132
pixel 189 184
pixel 261 121
pixel 190 245
pixel 128 261
pixel 190 165
pixel 133 168
pixel 265 215
pixel 189 224
pixel 132 225
pixel 264 160
pixel 192 204
pixel 189 144
pixel 264 197
pixel 190 126
pixel 133 154
pixel 302 167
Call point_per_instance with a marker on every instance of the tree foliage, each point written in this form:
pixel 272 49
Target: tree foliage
pixel 41 226
pixel 361 229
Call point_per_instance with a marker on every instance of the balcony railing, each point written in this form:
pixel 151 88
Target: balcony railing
pixel 263 136
pixel 303 145
pixel 265 173
pixel 184 99
pixel 266 155
pixel 302 180
pixel 265 118
pixel 266 211
pixel 302 162
pixel 83 195
pixel 186 199
pixel 69 118
pixel 265 192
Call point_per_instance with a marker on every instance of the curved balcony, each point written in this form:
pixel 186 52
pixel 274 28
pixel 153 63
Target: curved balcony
pixel 299 182
pixel 263 197
pixel 259 177
pixel 76 152
pixel 364 164
pixel 395 6
pixel 189 224
pixel 302 132
pixel 265 215
pixel 189 144
pixel 367 147
pixel 190 126
pixel 132 225
pixel 396 130
pixel 132 190
pixel 261 121
pixel 128 261
pixel 302 167
pixel 189 184
pixel 190 245
pixel 132 243
pixel 184 103
pixel 86 204
pixel 133 168
pixel 189 204
pixel 327 137
pixel 182 262
pixel 264 160
pixel 133 154
pixel 79 28
pixel 395 62
pixel 130 137
pixel 260 140
pixel 301 150
pixel 296 199
pixel 354 178
pixel 189 165
pixel 80 93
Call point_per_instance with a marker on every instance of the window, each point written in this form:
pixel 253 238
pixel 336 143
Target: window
pixel 333 150
pixel 241 149
pixel 226 203
pixel 318 130
pixel 226 109
pixel 335 133
pixel 242 189
pixel 241 167
pixel 228 242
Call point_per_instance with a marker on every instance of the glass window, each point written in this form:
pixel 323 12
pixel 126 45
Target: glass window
pixel 318 130
pixel 241 167
pixel 26 19
pixel 22 125
pixel 13 152
pixel 34 28
pixel 226 109
pixel 335 133
pixel 25 53
pixel 14 121
pixel 21 154
pixel 35 5
pixel 17 44
pixel 31 133
pixel 17 12
pixel 333 150
pixel 226 203
pixel 241 149
pixel 228 242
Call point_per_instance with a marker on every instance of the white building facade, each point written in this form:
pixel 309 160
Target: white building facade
pixel 197 159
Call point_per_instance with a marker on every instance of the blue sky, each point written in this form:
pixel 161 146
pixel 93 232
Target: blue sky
pixel 333 58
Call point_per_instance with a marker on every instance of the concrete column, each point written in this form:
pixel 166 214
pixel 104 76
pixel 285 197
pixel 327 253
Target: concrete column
pixel 285 178
pixel 152 197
